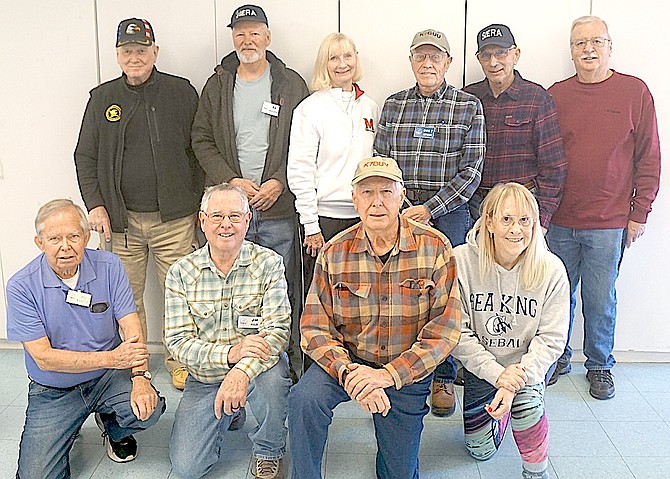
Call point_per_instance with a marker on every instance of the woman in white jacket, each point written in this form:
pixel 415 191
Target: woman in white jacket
pixel 514 295
pixel 331 131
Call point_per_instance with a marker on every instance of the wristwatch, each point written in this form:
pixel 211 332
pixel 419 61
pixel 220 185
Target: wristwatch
pixel 145 374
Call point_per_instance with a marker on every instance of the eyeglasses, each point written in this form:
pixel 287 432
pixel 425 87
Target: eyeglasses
pixel 217 218
pixel 507 220
pixel 499 54
pixel 597 42
pixel 434 57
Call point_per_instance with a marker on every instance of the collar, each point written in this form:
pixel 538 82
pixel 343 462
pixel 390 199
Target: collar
pixel 406 241
pixel 203 260
pixel 437 95
pixel 51 280
pixel 513 91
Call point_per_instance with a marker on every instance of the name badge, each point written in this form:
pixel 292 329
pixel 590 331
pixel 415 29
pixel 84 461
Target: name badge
pixel 426 132
pixel 248 322
pixel 78 297
pixel 270 108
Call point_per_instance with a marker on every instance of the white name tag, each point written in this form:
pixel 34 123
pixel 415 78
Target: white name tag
pixel 248 322
pixel 270 108
pixel 79 298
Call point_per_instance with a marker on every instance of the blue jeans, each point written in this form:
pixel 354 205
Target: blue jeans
pixel 311 404
pixel 278 235
pixel 455 226
pixel 592 257
pixel 197 435
pixel 55 415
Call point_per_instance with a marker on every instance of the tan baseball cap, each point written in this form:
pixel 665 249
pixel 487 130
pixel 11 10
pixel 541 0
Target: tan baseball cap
pixel 377 166
pixel 430 37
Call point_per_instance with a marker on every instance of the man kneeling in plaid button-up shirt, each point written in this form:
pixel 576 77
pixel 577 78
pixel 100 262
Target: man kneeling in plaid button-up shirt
pixel 227 319
pixel 382 312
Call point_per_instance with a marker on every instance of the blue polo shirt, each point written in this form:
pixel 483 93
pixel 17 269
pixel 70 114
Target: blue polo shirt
pixel 36 307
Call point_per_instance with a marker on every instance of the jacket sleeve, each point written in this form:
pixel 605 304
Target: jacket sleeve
pixel 301 168
pixel 86 158
pixel 382 144
pixel 197 174
pixel 204 139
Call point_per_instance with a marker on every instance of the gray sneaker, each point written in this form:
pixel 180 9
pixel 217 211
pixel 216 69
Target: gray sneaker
pixel 602 383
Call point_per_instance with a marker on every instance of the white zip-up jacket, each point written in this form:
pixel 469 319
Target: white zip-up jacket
pixel 504 324
pixel 326 145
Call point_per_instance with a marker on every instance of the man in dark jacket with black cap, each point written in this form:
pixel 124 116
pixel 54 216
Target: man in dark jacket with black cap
pixel 137 173
pixel 241 132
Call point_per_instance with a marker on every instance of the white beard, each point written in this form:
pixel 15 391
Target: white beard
pixel 249 57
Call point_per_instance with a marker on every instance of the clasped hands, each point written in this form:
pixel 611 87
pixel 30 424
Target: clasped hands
pixel 365 385
pixel 509 382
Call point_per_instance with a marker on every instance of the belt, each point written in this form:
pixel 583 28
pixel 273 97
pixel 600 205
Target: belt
pixel 419 197
pixel 485 191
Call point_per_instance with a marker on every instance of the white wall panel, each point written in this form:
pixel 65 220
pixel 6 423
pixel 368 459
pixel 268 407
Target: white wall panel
pixel 542 34
pixel 383 31
pixel 643 285
pixel 48 64
pixel 185 33
pixel 297 28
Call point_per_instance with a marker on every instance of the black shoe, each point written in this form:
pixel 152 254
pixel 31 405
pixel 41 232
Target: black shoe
pixel 602 383
pixel 238 420
pixel 124 450
pixel 561 369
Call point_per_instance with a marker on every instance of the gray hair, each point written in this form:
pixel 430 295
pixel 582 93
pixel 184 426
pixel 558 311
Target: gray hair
pixel 589 19
pixel 57 206
pixel 210 190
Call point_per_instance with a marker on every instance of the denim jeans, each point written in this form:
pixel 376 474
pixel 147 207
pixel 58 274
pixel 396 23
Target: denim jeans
pixel 311 404
pixel 455 226
pixel 197 435
pixel 278 235
pixel 54 417
pixel 591 257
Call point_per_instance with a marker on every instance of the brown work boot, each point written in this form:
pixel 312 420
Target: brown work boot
pixel 443 399
pixel 179 376
pixel 267 469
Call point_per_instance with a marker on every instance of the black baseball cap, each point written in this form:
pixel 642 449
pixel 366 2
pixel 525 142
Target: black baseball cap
pixel 495 34
pixel 134 30
pixel 248 13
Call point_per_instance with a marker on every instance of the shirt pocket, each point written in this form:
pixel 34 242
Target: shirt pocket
pixel 415 299
pixel 247 305
pixel 350 301
pixel 204 315
pixel 518 130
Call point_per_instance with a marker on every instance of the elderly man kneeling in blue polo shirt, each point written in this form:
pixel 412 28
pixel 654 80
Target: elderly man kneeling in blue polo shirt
pixel 67 307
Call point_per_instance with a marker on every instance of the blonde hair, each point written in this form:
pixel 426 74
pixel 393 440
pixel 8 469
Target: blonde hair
pixel 320 77
pixel 533 260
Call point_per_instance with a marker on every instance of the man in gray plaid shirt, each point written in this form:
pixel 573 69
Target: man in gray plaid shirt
pixel 227 319
pixel 436 134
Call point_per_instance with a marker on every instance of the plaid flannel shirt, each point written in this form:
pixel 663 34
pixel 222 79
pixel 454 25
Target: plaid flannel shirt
pixel 450 162
pixel 523 141
pixel 202 308
pixel 404 315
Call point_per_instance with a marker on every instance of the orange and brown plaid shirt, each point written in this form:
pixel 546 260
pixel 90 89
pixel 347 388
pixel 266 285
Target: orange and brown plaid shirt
pixel 404 315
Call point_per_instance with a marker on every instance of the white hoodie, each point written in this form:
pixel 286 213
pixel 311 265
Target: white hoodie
pixel 504 324
pixel 326 145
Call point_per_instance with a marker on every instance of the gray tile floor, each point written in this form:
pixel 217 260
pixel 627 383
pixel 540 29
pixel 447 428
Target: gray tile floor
pixel 625 437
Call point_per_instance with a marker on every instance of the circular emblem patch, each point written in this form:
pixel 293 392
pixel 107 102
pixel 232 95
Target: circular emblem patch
pixel 113 113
